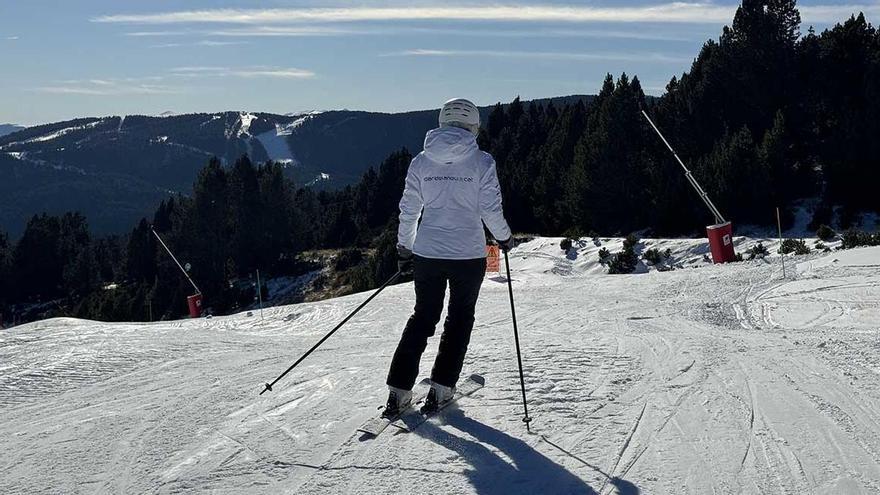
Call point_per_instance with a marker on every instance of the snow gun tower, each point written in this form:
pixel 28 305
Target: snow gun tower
pixel 194 301
pixel 721 233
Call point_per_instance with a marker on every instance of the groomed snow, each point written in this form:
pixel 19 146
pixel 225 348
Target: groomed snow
pixel 705 379
pixel 57 134
pixel 275 141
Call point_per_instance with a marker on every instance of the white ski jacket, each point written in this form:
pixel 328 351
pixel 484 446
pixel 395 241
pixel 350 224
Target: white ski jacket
pixel 453 187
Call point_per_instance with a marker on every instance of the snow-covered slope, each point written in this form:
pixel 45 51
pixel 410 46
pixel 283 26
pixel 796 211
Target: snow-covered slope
pixel 274 141
pixel 706 379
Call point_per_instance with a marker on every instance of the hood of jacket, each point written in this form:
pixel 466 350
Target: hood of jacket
pixel 449 144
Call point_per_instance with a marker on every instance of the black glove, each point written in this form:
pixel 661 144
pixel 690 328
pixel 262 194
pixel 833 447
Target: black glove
pixel 507 244
pixel 404 260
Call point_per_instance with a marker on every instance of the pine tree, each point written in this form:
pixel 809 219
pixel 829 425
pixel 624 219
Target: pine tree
pixel 245 215
pixel 389 188
pixel 141 254
pixel 5 276
pixel 773 156
pixel 37 266
pixel 738 180
pixel 80 270
pixel 164 216
pixel 550 208
pixel 278 235
pixel 204 236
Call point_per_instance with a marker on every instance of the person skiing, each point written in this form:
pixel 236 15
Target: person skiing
pixel 453 187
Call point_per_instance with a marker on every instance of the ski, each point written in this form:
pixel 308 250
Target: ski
pixel 412 418
pixel 375 426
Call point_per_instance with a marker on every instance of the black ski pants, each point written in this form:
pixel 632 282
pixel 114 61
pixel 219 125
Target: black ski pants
pixel 431 276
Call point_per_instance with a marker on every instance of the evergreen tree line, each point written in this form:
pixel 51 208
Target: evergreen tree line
pixel 236 221
pixel 765 116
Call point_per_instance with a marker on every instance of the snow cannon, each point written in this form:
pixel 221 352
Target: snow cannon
pixel 721 242
pixel 721 233
pixel 194 301
pixel 195 305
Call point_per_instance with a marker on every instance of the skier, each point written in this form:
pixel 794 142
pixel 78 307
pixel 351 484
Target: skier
pixel 453 187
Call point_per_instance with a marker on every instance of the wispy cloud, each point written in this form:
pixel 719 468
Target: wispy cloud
pixel 677 12
pixel 108 87
pixel 198 69
pixel 161 84
pixel 212 43
pixel 278 73
pixel 292 31
pixel 624 57
pixel 247 72
pixel 650 35
pixel 220 43
pixel 140 34
pixel 10 38
pixel 668 12
pixel 385 30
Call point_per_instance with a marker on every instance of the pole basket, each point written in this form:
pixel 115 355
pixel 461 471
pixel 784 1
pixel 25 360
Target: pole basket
pixel 195 305
pixel 493 259
pixel 721 242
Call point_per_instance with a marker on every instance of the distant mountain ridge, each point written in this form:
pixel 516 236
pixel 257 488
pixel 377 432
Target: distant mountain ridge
pixel 9 129
pixel 115 169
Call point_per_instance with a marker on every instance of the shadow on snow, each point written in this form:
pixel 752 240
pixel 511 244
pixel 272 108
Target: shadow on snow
pixel 528 471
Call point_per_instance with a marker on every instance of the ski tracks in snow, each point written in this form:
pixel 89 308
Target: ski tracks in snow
pixel 722 379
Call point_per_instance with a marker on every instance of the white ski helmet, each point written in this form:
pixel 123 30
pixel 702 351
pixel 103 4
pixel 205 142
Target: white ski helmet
pixel 462 113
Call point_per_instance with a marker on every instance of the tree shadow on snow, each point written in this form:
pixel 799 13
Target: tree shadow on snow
pixel 526 471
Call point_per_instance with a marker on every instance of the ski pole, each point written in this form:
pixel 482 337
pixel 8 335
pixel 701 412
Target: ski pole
pixel 522 382
pixel 343 322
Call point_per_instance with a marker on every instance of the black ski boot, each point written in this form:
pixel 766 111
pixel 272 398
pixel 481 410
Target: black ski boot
pixel 398 401
pixel 437 396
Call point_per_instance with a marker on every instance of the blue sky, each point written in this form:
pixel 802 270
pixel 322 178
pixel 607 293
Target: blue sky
pixel 65 59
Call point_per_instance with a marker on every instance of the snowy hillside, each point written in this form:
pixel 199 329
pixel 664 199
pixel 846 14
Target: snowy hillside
pixel 704 379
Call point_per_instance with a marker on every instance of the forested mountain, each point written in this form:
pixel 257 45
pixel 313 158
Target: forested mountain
pixel 765 115
pixel 117 169
pixel 9 129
